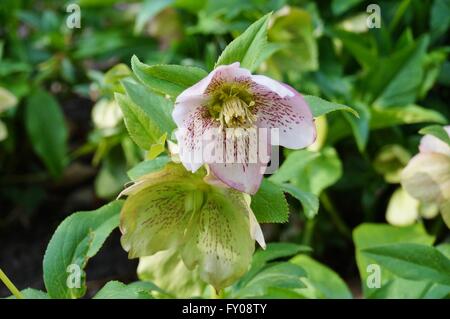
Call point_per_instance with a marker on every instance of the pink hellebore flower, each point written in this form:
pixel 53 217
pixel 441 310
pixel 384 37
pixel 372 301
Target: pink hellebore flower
pixel 231 99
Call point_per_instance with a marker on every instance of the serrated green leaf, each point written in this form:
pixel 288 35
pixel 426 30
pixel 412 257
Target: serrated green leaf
pixel 412 261
pixel 310 202
pixel 320 106
pixel 157 109
pixel 269 204
pixel 248 47
pixel 167 79
pixel 437 131
pixel 141 127
pixel 78 238
pixel 47 131
pixel 30 293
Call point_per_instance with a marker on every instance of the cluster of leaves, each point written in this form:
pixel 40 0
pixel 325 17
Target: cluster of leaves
pixel 393 78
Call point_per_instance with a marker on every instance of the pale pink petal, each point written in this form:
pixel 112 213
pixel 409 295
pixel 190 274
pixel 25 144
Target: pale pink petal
pixel 244 161
pixel 273 85
pixel 430 143
pixel 223 72
pixel 289 114
pixel 191 137
pixel 244 178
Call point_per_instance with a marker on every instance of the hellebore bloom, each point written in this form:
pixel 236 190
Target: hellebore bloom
pixel 210 227
pixel 427 175
pixel 237 108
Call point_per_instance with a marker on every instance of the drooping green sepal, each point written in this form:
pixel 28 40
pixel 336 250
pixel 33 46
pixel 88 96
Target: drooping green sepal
pixel 210 227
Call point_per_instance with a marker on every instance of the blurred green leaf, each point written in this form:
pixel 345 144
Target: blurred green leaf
pixel 47 131
pixel 394 80
pixel 148 10
pixel 282 275
pixel 410 114
pixel 437 131
pixel 321 281
pixel 440 18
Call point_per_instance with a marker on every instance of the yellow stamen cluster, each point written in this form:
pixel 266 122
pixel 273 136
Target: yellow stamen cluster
pixel 236 113
pixel 232 105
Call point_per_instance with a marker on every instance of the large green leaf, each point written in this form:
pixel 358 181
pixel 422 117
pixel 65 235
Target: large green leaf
pixel 269 204
pixel 142 120
pixel 47 131
pixel 321 281
pixel 320 106
pixel 167 79
pixel 367 236
pixel 412 261
pixel 157 109
pixel 78 238
pixel 248 47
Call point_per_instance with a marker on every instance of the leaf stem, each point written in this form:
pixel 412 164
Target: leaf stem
pixel 10 285
pixel 335 216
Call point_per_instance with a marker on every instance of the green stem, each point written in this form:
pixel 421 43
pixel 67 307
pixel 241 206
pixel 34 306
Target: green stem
pixel 308 232
pixel 10 285
pixel 335 216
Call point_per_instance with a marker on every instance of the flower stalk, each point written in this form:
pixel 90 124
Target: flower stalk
pixel 13 289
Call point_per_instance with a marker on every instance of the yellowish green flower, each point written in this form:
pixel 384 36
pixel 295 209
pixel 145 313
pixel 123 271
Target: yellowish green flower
pixel 212 228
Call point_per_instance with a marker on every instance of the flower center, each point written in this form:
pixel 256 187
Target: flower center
pixel 232 105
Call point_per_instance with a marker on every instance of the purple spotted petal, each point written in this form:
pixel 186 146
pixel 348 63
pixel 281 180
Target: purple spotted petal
pixel 244 174
pixel 280 106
